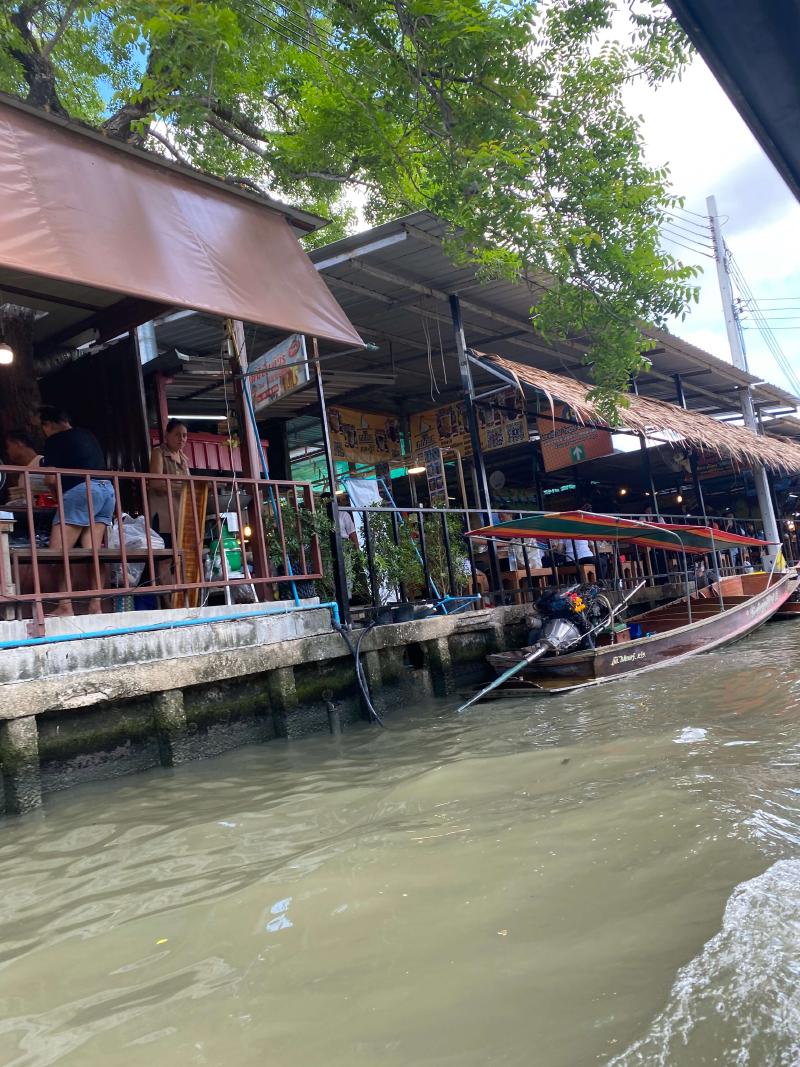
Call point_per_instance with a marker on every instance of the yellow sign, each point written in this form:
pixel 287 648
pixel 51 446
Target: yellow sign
pixel 362 437
pixel 501 422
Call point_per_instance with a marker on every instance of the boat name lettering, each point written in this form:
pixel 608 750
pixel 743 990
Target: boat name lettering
pixel 629 658
pixel 763 605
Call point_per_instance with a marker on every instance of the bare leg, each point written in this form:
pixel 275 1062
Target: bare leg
pixel 63 535
pixel 93 537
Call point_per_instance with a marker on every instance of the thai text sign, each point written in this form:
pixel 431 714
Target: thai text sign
pixel 501 422
pixel 280 371
pixel 362 437
pixel 565 443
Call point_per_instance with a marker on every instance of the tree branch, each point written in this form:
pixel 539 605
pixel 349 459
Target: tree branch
pixel 37 70
pixel 170 147
pixel 66 18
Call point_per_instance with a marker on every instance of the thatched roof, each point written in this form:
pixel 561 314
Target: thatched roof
pixel 649 417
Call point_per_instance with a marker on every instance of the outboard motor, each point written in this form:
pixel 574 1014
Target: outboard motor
pixel 559 633
pixel 579 609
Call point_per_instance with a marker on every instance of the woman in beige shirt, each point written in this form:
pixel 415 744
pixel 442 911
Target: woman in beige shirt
pixel 168 458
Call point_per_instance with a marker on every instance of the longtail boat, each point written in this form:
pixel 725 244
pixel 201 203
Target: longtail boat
pixel 568 654
pixel 789 609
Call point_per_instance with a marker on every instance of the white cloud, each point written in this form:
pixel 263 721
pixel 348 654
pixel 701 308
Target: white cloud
pixel 693 128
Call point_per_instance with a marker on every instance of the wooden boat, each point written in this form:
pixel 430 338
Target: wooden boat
pixel 748 601
pixel 731 608
pixel 789 609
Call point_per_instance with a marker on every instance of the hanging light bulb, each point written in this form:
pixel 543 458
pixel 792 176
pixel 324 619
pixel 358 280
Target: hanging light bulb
pixel 6 354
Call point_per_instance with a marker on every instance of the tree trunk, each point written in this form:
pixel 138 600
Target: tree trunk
pixel 19 391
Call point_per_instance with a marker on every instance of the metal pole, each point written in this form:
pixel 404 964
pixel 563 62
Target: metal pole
pixel 339 573
pixel 475 440
pixel 739 359
pixel 648 473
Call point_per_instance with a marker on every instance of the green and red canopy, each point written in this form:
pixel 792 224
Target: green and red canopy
pixel 587 526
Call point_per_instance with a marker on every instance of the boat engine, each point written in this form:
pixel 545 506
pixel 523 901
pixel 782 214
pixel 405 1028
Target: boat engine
pixel 578 611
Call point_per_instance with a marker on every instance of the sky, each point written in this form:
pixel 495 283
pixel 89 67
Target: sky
pixel 694 129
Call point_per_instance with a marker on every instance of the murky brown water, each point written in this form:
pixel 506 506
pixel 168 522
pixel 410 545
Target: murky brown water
pixel 606 878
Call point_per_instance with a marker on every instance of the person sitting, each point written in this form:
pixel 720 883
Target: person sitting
pixel 21 451
pixel 71 448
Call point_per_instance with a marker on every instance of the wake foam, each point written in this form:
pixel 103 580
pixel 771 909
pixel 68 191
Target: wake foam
pixel 738 1002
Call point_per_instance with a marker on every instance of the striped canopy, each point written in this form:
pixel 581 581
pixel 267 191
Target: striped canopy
pixel 587 526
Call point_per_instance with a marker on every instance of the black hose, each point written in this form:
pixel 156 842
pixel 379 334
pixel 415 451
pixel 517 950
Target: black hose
pixel 363 685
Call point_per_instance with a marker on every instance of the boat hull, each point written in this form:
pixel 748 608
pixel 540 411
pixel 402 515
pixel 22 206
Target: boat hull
pixel 670 643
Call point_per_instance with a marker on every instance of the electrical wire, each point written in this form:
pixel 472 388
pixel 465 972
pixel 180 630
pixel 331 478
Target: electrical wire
pixel 689 248
pixel 691 228
pixel 762 324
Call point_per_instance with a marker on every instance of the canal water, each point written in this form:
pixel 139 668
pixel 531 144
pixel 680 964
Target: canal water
pixel 611 877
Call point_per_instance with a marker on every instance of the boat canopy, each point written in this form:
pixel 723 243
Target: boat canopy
pixel 588 526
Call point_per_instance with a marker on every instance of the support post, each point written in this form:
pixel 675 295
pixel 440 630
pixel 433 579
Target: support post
pixel 482 483
pixel 440 664
pixel 739 359
pixel 537 477
pixel 337 549
pixel 648 474
pixel 19 761
pixel 251 448
pixel 171 727
pixel 283 700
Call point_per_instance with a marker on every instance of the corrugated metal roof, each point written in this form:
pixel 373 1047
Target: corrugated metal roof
pixel 393 282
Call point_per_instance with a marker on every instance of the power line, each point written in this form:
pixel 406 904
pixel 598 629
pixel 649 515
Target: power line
pixel 690 248
pixel 703 232
pixel 764 327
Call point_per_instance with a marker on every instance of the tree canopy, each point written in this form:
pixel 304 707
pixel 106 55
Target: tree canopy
pixel 506 117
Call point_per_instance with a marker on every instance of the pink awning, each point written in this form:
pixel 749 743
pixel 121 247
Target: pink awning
pixel 84 219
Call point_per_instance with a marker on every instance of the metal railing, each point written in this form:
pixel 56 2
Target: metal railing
pixel 415 554
pixel 239 538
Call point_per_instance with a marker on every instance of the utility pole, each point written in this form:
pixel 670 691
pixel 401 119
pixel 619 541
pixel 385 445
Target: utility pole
pixel 739 359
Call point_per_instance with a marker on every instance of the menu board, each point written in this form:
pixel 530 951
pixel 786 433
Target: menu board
pixel 502 421
pixel 565 443
pixel 362 437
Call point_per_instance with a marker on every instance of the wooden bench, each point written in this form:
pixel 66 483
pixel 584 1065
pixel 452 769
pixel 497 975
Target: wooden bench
pixel 55 556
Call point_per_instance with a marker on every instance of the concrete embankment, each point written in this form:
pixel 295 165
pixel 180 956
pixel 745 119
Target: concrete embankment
pixel 100 707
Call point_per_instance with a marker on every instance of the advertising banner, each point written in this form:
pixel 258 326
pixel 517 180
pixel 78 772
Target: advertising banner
pixel 501 422
pixel 362 437
pixel 280 371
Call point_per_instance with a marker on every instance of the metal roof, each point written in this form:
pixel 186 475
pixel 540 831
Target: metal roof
pixel 394 282
pixel 752 49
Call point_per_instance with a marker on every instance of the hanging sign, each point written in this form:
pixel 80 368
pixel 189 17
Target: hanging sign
pixel 437 479
pixel 444 427
pixel 280 371
pixel 501 422
pixel 566 443
pixel 362 437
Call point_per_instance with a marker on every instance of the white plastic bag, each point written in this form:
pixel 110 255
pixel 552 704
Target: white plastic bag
pixel 135 533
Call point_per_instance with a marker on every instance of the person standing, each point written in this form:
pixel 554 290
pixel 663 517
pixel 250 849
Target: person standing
pixel 68 447
pixel 168 458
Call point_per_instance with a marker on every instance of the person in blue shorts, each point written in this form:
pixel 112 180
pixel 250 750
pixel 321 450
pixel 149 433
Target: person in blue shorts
pixel 68 447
